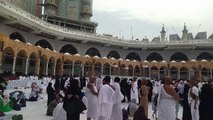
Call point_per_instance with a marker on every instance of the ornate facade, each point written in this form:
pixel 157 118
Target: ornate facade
pixel 29 45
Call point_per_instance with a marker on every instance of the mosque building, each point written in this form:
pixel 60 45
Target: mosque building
pixel 57 37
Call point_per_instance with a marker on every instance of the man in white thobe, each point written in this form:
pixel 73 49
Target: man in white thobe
pixel 105 100
pixel 194 101
pixel 134 90
pixel 117 106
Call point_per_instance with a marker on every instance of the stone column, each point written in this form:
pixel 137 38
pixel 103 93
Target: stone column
pixel 82 70
pixel 210 73
pixel 158 73
pixel 178 77
pixel 73 65
pixel 46 72
pixel 189 74
pixel 54 68
pixel 110 71
pixel 149 72
pixel 168 72
pixel 38 67
pixel 102 70
pixel 26 66
pixel 14 66
pixel 1 56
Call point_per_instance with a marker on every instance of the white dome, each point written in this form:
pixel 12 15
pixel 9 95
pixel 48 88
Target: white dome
pixel 173 61
pixel 96 56
pixel 77 54
pixel 183 61
pixel 86 56
pixel 66 53
pixel 127 60
pixel 104 57
pixel 193 60
pixel 154 61
pixel 203 60
pixel 120 59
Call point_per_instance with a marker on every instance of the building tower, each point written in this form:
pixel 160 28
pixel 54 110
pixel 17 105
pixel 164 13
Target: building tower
pixel 86 12
pixel 185 33
pixel 50 7
pixel 163 34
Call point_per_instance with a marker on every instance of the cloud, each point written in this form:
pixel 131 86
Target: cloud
pixel 156 12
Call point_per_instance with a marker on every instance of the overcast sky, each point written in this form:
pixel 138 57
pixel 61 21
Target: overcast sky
pixel 144 18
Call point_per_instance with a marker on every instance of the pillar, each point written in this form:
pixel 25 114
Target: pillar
pixel 149 72
pixel 61 68
pixel 133 72
pixel 178 77
pixel 73 65
pixel 14 66
pixel 189 74
pixel 38 66
pixel 82 70
pixel 158 74
pixel 46 73
pixel 102 70
pixel 110 71
pixel 54 68
pixel 26 66
pixel 1 56
pixel 210 73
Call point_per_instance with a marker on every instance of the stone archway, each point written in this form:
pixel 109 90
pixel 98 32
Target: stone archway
pixel 93 52
pixel 8 60
pixel 154 56
pixel 68 49
pixel 97 69
pixel 17 36
pixel 178 57
pixel 106 69
pixel 51 65
pixel 67 68
pixel 154 72
pixel 113 54
pixel 137 71
pixel 77 68
pixel 174 73
pixel 43 65
pixel 20 68
pixel 32 64
pixel 44 44
pixel 184 73
pixel 163 72
pixel 133 56
pixel 130 70
pixel 123 70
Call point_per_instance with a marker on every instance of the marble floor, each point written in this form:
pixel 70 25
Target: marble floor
pixel 37 110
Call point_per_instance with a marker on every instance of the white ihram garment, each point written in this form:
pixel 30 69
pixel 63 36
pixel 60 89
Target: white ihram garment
pixel 105 102
pixel 59 113
pixel 117 106
pixel 92 103
pixel 166 105
pixel 134 92
pixel 194 112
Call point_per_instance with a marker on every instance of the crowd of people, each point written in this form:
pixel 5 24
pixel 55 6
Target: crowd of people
pixel 68 97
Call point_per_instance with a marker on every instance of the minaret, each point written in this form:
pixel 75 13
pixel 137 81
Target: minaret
pixel 86 13
pixel 163 34
pixel 50 7
pixel 185 32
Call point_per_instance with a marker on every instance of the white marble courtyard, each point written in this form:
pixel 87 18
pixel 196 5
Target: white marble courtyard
pixel 37 110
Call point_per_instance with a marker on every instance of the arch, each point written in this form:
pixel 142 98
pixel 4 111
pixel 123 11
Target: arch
pixel 184 73
pixel 137 71
pixel 205 55
pixel 130 70
pixel 43 65
pixel 44 44
pixel 51 66
pixel 97 69
pixel 58 70
pixel 123 70
pixel 93 52
pixel 174 73
pixel 86 69
pixel 179 56
pixel 133 56
pixel 20 67
pixel 154 56
pixel 154 72
pixel 7 60
pixel 9 51
pixel 106 70
pixel 77 68
pixel 163 72
pixel 113 54
pixel 17 36
pixel 32 64
pixel 68 49
pixel 205 74
pixel 67 67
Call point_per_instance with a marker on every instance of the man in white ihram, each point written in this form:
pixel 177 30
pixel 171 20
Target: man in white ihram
pixel 105 100
pixel 117 106
pixel 134 90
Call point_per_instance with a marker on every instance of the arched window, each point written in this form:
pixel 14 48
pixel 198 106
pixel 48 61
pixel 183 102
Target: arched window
pixel 113 54
pixel 205 55
pixel 17 36
pixel 44 44
pixel 179 57
pixel 68 48
pixel 133 56
pixel 93 52
pixel 154 56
